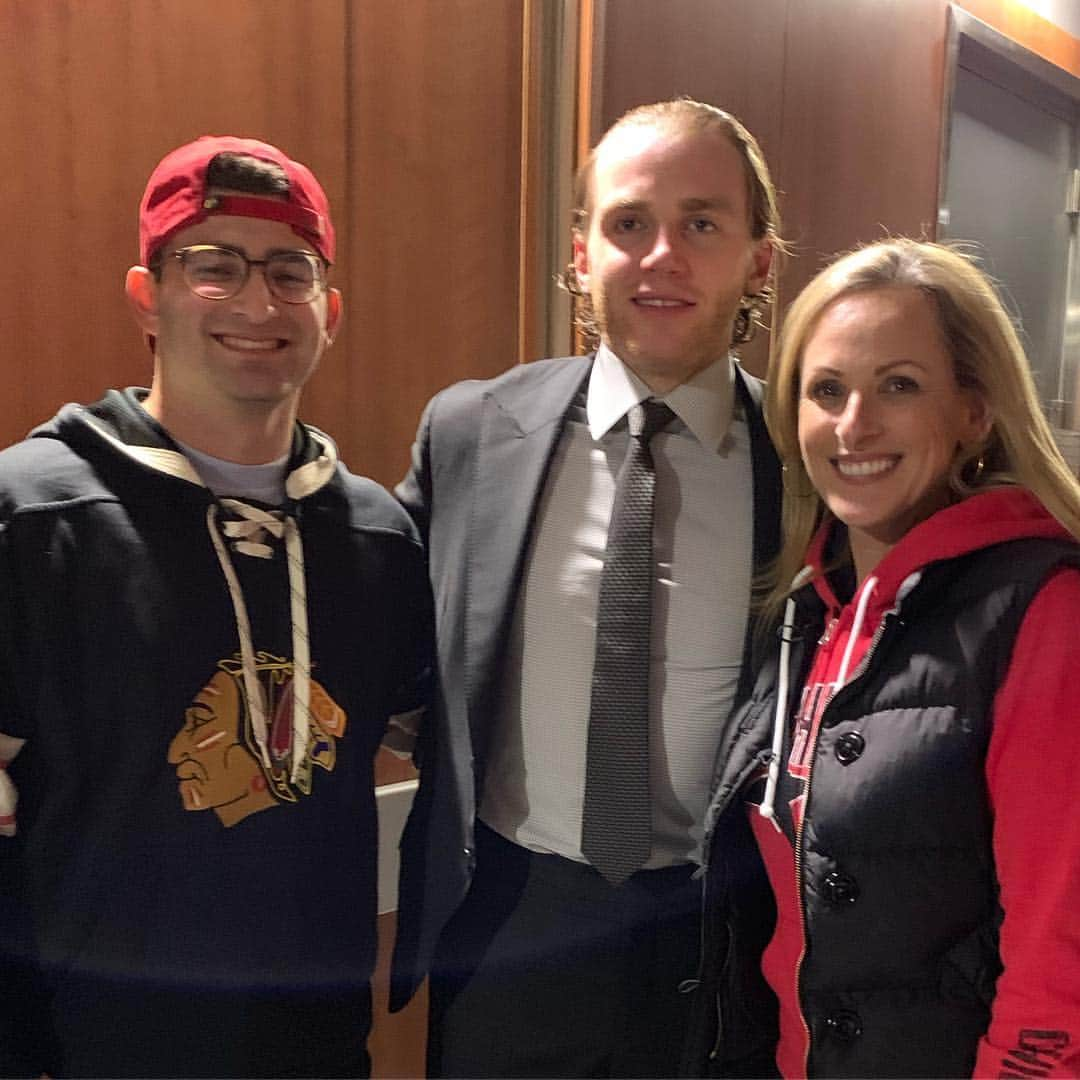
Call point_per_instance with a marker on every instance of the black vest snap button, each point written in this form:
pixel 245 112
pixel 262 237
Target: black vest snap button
pixel 844 1025
pixel 840 888
pixel 849 747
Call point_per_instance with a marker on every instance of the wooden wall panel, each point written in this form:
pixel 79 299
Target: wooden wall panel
pixel 862 122
pixel 94 94
pixel 434 162
pixel 728 54
pixel 435 149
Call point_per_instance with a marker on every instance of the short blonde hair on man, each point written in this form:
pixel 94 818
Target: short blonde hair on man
pixel 987 357
pixel 685 115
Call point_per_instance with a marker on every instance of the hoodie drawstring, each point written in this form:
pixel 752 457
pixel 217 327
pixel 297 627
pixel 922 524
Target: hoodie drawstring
pixel 247 533
pixel 856 627
pixel 768 803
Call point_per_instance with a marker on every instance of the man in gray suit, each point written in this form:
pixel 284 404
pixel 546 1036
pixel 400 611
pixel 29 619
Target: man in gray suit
pixel 544 961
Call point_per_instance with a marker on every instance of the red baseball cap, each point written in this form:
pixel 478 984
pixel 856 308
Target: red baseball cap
pixel 176 196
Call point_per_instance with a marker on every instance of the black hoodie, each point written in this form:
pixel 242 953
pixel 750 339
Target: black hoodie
pixel 191 886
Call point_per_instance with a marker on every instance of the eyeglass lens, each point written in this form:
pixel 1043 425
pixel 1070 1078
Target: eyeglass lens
pixel 216 273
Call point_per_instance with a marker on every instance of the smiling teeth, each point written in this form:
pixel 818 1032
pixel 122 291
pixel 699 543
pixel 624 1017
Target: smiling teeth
pixel 864 468
pixel 250 344
pixel 657 302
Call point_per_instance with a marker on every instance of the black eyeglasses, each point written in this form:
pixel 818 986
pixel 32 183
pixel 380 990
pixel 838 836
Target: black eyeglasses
pixel 218 273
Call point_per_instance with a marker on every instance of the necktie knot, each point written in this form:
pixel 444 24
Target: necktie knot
pixel 649 417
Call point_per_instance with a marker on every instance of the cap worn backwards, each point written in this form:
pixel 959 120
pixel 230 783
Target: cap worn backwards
pixel 176 195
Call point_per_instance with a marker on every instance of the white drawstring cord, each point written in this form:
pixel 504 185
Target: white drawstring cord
pixel 252 691
pixel 249 532
pixel 768 803
pixel 301 646
pixel 860 615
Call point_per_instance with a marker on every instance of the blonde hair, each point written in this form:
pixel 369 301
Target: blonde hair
pixel 684 115
pixel 987 357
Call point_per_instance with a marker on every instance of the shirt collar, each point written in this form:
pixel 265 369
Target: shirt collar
pixel 703 403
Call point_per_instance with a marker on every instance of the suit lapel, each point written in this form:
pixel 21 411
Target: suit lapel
pixel 767 487
pixel 766 468
pixel 520 424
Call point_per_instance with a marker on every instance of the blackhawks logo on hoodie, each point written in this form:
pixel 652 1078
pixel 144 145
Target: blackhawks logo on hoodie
pixel 237 756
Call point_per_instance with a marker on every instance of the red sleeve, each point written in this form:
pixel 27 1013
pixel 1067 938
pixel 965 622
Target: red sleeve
pixel 1032 770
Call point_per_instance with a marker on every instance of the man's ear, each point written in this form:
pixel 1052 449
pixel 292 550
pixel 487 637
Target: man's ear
pixel 581 259
pixel 141 291
pixel 762 257
pixel 333 314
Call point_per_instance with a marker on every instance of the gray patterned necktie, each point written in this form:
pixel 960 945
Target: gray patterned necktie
pixel 616 828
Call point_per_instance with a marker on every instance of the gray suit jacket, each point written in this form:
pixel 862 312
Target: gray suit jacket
pixel 478 467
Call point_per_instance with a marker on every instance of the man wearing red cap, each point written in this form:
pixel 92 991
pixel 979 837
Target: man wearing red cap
pixel 205 623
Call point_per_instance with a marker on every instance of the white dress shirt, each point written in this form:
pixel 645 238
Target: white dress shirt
pixel 703 546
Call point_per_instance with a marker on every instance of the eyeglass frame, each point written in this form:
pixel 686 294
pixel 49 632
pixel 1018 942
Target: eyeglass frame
pixel 321 284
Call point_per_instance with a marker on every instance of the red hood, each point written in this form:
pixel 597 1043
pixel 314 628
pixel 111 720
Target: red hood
pixel 977 522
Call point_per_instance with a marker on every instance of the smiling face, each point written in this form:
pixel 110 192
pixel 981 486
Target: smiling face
pixel 249 352
pixel 668 252
pixel 881 416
